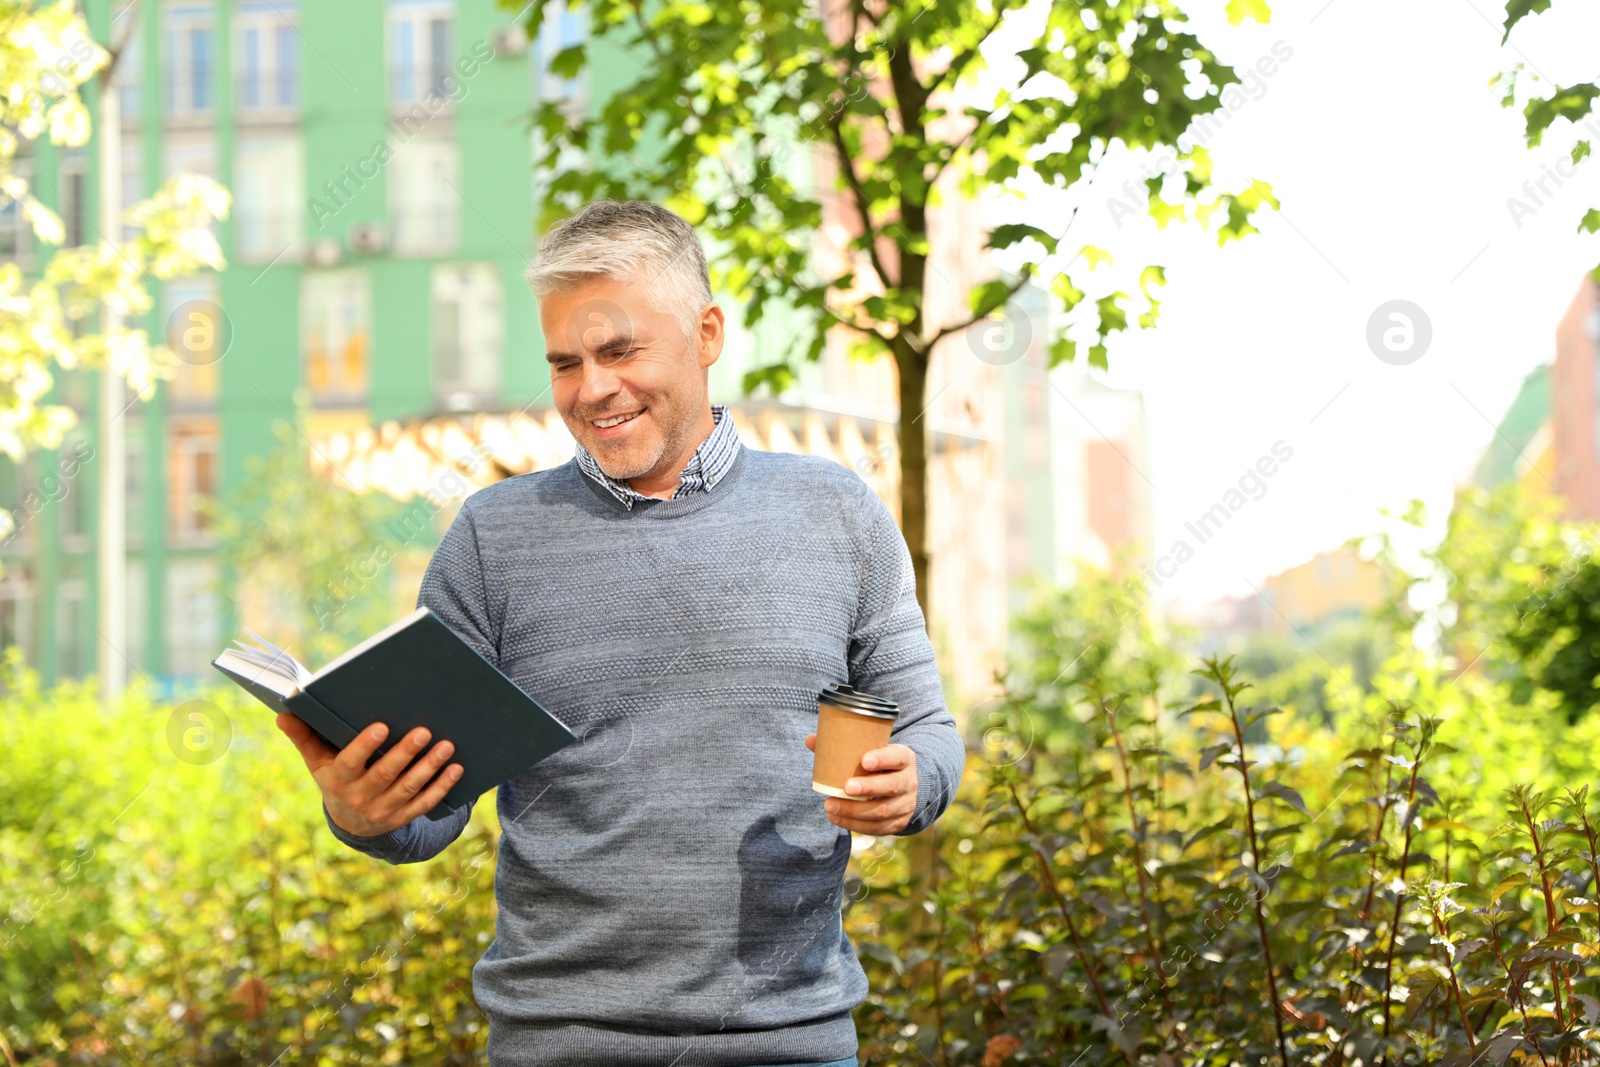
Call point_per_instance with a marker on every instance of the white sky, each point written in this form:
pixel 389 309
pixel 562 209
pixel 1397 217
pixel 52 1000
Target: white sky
pixel 1392 160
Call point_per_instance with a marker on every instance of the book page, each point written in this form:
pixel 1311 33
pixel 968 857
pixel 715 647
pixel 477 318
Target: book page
pixel 273 659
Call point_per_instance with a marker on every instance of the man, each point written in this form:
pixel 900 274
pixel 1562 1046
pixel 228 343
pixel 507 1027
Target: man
pixel 670 887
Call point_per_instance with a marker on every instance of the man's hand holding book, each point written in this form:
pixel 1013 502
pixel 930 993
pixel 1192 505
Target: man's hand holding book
pixel 371 801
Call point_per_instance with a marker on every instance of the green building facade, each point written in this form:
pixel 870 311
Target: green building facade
pixel 384 200
pixel 380 164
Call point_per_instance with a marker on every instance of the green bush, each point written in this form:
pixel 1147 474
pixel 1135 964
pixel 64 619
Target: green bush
pixel 1177 895
pixel 1119 882
pixel 171 891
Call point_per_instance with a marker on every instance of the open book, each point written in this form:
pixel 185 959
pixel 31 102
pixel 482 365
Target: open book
pixel 415 672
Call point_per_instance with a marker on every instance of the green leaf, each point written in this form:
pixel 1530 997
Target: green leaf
pixel 1112 316
pixel 1151 275
pixel 1070 294
pixel 1202 834
pixel 569 62
pixel 987 297
pixel 1517 10
pixel 1571 102
pixel 1253 715
pixel 1015 232
pixel 1239 10
pixel 1287 795
pixel 1062 350
pixel 1094 255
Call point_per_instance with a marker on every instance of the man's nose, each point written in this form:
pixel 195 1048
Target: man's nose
pixel 598 382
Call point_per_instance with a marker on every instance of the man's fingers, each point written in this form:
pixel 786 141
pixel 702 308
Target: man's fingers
pixel 871 810
pixel 875 827
pixel 880 785
pixel 429 798
pixel 811 742
pixel 352 761
pixel 889 758
pixel 393 763
pixel 419 774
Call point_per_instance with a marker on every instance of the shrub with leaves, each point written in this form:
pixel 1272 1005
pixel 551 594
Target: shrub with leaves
pixel 1170 896
pixel 192 909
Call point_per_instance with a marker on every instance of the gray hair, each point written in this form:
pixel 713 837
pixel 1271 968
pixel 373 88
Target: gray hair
pixel 633 240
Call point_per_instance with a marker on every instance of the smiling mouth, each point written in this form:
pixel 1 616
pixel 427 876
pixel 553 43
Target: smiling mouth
pixel 615 420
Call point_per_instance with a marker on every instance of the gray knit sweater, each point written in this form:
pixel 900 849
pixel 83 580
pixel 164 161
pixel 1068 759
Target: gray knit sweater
pixel 669 887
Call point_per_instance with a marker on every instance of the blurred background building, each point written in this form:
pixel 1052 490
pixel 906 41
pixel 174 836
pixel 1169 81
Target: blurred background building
pixel 1549 438
pixel 375 249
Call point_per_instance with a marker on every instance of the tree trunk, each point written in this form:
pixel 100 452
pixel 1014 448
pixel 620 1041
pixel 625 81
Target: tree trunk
pixel 922 852
pixel 913 442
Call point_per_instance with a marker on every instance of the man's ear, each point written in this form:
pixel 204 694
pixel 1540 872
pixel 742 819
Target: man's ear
pixel 708 346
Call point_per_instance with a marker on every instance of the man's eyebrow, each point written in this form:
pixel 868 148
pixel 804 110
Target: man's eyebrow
pixel 619 342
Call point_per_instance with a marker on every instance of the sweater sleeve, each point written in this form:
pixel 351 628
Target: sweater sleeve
pixel 453 587
pixel 891 656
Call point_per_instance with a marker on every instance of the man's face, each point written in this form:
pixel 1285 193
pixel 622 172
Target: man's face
pixel 611 354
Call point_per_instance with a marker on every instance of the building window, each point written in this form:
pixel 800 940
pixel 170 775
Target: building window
pixel 424 208
pixel 419 49
pixel 133 488
pixel 336 332
pixel 71 201
pixel 191 477
pixel 16 608
pixel 132 183
pixel 189 60
pixel 193 616
pixel 192 153
pixel 16 233
pixel 73 635
pixel 560 30
pixel 191 310
pixel 133 602
pixel 267 57
pixel 68 482
pixel 269 189
pixel 130 64
pixel 16 484
pixel 466 317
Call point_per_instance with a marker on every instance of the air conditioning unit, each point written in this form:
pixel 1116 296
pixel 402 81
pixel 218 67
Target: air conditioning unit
pixel 509 40
pixel 367 238
pixel 323 252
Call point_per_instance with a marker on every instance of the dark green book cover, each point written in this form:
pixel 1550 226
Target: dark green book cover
pixel 417 672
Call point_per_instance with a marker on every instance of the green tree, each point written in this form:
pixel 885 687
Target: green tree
pixel 1543 106
pixel 328 552
pixel 1521 589
pixel 46 56
pixel 727 92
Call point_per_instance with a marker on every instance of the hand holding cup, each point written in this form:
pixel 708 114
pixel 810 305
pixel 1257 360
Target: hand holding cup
pixel 887 797
pixel 871 783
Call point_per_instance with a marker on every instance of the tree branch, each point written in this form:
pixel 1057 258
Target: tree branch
pixel 955 150
pixel 1011 291
pixel 842 321
pixel 848 168
pixel 961 60
pixel 644 31
pixel 116 53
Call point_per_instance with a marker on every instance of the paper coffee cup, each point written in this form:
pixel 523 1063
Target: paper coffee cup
pixel 850 724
